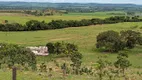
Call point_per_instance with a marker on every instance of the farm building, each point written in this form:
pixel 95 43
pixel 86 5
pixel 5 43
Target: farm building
pixel 41 50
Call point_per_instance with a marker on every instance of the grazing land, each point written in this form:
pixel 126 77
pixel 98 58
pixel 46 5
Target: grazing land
pixel 84 37
pixel 23 18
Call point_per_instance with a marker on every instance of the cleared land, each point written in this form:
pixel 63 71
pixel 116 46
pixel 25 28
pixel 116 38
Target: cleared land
pixel 23 18
pixel 84 37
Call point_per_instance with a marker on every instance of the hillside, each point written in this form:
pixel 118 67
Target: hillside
pixel 72 7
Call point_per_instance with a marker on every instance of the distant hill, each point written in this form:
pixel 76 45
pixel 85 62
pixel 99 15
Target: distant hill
pixel 72 7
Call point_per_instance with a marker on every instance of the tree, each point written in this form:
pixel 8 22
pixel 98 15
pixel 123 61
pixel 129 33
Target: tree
pixel 110 41
pixel 71 48
pixel 57 24
pixel 13 54
pixel 59 48
pixel 33 25
pixel 131 38
pixel 97 21
pixel 123 63
pixel 2 26
pixel 13 27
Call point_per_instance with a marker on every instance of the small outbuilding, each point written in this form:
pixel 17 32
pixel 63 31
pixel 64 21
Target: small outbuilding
pixel 41 50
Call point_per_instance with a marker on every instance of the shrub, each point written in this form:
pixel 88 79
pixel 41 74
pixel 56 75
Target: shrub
pixel 61 47
pixel 65 69
pixel 43 67
pixel 140 27
pixel 50 47
pixel 6 21
pixel 122 62
pixel 71 48
pixel 101 66
pixel 76 59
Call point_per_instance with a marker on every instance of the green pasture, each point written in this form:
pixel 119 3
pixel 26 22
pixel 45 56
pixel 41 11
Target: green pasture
pixel 23 18
pixel 84 37
pixel 28 75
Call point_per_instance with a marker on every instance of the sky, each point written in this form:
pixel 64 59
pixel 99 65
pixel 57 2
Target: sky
pixel 83 1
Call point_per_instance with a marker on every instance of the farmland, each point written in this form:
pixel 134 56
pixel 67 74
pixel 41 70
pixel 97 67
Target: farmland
pixel 23 18
pixel 84 37
pixel 79 36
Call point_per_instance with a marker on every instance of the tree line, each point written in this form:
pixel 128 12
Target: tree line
pixel 34 25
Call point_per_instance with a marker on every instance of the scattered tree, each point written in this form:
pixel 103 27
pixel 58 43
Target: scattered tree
pixel 131 38
pixel 122 63
pixel 110 41
pixel 14 54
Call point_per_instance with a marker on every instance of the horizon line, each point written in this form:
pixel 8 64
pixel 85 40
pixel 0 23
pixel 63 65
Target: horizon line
pixel 71 2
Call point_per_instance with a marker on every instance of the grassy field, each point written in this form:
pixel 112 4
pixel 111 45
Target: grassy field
pixel 23 18
pixel 37 76
pixel 84 37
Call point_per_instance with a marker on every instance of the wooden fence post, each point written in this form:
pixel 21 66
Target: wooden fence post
pixel 14 73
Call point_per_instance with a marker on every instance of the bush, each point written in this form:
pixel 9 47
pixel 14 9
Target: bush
pixel 50 47
pixel 71 47
pixel 43 67
pixel 140 27
pixel 61 47
pixel 76 61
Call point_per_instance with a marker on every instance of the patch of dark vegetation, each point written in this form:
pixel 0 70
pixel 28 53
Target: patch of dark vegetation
pixel 34 25
pixel 112 41
pixel 62 48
